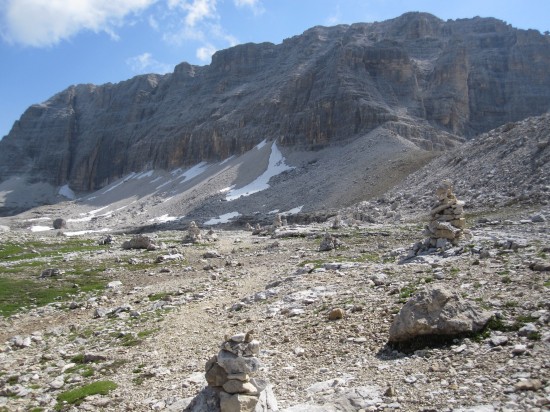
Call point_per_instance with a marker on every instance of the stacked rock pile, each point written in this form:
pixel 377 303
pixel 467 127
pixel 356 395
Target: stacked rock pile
pixel 193 234
pixel 329 242
pixel 232 379
pixel 446 220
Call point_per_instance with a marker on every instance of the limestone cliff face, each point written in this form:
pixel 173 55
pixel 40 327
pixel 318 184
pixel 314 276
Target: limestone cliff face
pixel 322 87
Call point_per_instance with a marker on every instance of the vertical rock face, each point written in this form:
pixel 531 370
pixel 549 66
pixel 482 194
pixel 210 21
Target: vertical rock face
pixel 325 86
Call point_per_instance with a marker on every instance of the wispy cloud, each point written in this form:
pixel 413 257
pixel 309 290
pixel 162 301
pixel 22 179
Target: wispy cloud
pixel 40 23
pixel 199 21
pixel 145 63
pixel 335 17
pixel 205 53
pixel 254 5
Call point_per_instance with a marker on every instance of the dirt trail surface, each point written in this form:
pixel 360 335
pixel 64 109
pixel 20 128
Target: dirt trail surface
pixel 152 333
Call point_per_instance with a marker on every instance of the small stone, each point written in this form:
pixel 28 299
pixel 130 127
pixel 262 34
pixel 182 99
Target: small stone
pixel 237 403
pixel 390 392
pixel 239 337
pixel 243 377
pixel 528 385
pixel 295 312
pixel 529 329
pixel 299 351
pixel 115 284
pixel 538 218
pixel 49 273
pixel 238 386
pixel 498 340
pixel 100 313
pixel 253 347
pixel 21 342
pixel 215 374
pixel 336 313
pixel 519 349
pixel 57 383
pixel 209 254
pixel 379 279
pixel 540 266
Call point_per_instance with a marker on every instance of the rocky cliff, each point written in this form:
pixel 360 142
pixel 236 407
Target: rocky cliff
pixel 326 86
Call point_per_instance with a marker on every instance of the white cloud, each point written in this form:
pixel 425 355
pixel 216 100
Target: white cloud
pixel 205 53
pixel 145 63
pixel 199 10
pixel 42 23
pixel 199 21
pixel 255 5
pixel 196 10
pixel 153 23
pixel 335 18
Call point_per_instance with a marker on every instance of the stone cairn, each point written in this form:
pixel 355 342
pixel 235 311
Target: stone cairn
pixel 329 242
pixel 233 385
pixel 446 220
pixel 193 234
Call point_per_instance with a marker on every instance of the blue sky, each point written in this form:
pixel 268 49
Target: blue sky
pixel 48 45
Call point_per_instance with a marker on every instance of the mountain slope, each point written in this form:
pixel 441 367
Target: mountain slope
pixel 428 80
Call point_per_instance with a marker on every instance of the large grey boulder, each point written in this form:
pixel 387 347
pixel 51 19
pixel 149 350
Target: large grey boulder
pixel 59 224
pixel 436 312
pixel 140 242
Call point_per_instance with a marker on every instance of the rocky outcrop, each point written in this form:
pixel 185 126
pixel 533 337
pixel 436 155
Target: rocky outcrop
pixel 423 76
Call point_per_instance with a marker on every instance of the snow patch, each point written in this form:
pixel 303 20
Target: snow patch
pixel 226 160
pixel 227 189
pixel 193 172
pixel 164 184
pixel 84 232
pixel 293 211
pixel 158 179
pixel 222 219
pixel 261 144
pixel 39 228
pixel 165 218
pixel 91 214
pixel 276 166
pixel 148 173
pixel 37 219
pixel 272 212
pixel 66 191
pixel 124 180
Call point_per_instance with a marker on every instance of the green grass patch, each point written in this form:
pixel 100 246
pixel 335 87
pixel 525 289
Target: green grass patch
pixel 76 396
pixel 18 293
pixel 12 251
pixel 406 293
pixel 83 370
pixel 158 296
pixel 112 367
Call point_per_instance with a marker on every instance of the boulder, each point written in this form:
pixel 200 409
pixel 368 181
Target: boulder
pixel 59 224
pixel 140 242
pixel 436 313
pixel 329 242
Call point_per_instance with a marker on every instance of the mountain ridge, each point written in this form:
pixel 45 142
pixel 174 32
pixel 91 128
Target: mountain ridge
pixel 432 82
